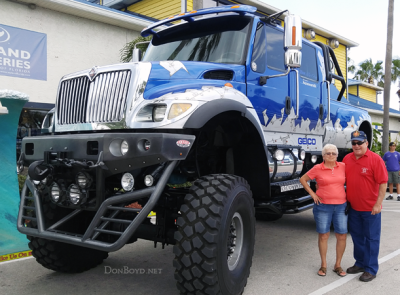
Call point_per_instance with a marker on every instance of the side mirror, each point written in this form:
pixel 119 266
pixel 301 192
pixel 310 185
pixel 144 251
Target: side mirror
pixel 136 55
pixel 293 41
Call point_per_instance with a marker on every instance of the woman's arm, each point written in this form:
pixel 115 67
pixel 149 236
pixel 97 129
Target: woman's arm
pixel 303 181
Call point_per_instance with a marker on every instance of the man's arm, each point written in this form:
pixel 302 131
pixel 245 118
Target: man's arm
pixel 378 205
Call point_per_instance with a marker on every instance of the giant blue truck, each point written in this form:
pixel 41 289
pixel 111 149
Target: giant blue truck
pixel 211 130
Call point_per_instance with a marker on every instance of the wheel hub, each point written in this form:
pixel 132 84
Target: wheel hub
pixel 235 241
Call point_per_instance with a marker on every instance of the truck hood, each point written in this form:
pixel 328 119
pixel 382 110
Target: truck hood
pixel 176 76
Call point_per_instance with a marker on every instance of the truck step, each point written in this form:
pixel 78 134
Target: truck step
pixel 288 185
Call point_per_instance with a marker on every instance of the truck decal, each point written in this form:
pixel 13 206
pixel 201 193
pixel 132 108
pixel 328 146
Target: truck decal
pixel 173 66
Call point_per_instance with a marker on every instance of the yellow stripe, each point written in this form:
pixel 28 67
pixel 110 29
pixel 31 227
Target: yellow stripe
pixel 367 93
pixel 16 255
pixel 353 90
pixel 157 9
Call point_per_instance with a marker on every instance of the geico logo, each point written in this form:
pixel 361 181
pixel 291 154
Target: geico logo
pixel 309 141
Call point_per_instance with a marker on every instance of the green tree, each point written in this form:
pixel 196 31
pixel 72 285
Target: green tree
pixel 376 145
pixel 395 69
pixel 351 68
pixel 126 51
pixel 369 72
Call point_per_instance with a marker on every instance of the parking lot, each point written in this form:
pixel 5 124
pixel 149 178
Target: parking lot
pixel 285 261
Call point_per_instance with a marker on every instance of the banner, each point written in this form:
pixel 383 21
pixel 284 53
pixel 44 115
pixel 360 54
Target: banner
pixel 23 53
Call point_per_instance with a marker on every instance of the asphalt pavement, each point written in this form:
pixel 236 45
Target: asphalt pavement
pixel 286 261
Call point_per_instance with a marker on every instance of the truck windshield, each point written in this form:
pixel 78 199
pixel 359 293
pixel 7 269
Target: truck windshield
pixel 219 40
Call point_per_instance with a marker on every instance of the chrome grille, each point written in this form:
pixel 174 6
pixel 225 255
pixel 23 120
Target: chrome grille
pixel 101 100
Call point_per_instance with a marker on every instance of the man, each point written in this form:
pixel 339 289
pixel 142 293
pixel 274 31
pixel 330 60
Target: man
pixel 366 182
pixel 392 159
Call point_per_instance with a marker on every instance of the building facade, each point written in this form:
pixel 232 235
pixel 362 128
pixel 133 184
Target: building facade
pixel 79 34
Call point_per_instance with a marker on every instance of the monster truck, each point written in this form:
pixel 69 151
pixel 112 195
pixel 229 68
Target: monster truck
pixel 212 129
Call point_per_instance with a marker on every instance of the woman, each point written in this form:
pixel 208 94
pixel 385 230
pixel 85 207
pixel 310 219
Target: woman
pixel 330 204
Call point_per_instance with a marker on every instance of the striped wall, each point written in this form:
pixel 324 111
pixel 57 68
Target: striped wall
pixel 353 90
pixel 363 92
pixel 159 9
pixel 367 93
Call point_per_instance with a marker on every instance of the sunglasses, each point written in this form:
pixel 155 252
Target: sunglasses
pixel 357 142
pixel 333 154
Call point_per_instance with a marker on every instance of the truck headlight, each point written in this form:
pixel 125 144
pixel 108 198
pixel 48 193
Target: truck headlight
pixel 127 182
pixel 74 194
pixel 83 180
pixel 302 154
pixel 124 147
pixel 178 109
pixel 159 113
pixel 119 147
pixel 151 113
pixel 279 155
pixel 55 193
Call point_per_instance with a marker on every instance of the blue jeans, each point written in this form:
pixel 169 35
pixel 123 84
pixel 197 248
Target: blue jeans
pixel 325 214
pixel 365 230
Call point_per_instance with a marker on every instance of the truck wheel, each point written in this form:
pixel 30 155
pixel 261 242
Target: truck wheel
pixel 64 257
pixel 215 237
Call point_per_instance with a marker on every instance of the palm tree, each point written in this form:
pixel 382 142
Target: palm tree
pixel 126 51
pixel 351 68
pixel 395 69
pixel 388 72
pixel 369 72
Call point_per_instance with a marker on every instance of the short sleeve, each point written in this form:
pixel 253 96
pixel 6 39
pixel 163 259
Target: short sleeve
pixel 384 157
pixel 312 173
pixel 380 171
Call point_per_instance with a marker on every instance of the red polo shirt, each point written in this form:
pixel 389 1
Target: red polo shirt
pixel 330 183
pixel 363 177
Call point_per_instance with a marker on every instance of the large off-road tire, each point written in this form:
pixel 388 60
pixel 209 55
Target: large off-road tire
pixel 215 237
pixel 64 257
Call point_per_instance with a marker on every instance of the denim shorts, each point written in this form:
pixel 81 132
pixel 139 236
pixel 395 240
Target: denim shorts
pixel 325 214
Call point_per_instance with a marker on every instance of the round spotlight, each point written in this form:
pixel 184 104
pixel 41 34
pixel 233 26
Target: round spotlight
pixel 302 154
pixel 314 158
pixel 74 194
pixel 55 193
pixel 83 180
pixel 279 155
pixel 127 182
pixel 148 180
pixel 124 147
pixel 146 145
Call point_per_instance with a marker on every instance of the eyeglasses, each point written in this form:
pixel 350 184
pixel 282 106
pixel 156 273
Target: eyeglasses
pixel 357 142
pixel 333 154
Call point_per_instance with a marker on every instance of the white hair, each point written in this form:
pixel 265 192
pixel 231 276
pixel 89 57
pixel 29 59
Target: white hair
pixel 329 147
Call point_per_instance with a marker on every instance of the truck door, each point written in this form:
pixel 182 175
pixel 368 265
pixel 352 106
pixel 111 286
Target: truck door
pixel 276 101
pixel 313 102
pixel 268 59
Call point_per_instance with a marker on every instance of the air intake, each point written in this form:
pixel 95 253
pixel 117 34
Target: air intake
pixel 219 75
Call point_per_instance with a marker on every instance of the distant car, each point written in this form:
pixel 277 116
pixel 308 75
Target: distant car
pixel 287 161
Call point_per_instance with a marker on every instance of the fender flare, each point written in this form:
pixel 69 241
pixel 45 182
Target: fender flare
pixel 215 107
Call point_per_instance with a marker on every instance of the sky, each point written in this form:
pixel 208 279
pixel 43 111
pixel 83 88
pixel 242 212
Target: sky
pixel 361 21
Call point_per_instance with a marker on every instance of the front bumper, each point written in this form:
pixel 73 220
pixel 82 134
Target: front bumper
pixel 104 216
pixel 98 148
